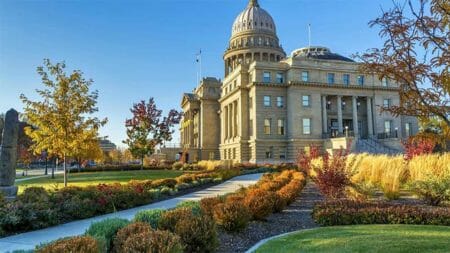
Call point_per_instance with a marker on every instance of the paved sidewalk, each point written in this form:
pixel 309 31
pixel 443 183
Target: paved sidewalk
pixel 29 240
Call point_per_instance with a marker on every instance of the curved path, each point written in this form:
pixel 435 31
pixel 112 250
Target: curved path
pixel 29 240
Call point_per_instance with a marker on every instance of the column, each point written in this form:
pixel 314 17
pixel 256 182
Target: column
pixel 324 115
pixel 369 117
pixel 226 122
pixel 339 111
pixel 230 121
pixel 355 117
pixel 235 119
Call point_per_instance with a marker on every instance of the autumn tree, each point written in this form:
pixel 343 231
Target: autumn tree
pixel 148 128
pixel 64 115
pixel 416 55
pixel 88 147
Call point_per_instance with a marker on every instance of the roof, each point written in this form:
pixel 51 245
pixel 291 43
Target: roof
pixel 321 53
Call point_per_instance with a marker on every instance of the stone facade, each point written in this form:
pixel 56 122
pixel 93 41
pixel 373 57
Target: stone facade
pixel 270 105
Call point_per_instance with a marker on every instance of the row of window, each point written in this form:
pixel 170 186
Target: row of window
pixel 306 126
pixel 330 78
pixel 306 101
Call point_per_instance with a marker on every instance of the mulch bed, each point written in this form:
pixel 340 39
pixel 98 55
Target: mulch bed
pixel 295 217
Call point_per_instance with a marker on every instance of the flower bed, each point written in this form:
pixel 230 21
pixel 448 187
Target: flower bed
pixel 191 226
pixel 348 212
pixel 38 208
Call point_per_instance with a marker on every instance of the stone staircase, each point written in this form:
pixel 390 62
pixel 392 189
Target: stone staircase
pixel 373 146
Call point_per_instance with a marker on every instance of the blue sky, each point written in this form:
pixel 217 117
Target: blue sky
pixel 134 50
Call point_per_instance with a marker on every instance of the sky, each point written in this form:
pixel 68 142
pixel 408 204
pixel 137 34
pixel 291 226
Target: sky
pixel 134 50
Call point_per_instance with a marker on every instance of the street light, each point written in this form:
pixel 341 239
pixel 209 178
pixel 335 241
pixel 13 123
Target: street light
pixel 396 132
pixel 346 131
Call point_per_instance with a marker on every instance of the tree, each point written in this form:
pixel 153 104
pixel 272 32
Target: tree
pixel 88 147
pixel 61 120
pixel 416 55
pixel 148 128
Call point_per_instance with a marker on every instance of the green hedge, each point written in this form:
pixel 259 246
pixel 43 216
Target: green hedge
pixel 347 212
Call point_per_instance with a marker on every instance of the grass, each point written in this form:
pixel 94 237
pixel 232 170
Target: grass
pixel 94 178
pixel 364 238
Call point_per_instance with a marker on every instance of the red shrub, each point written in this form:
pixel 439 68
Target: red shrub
pixel 415 147
pixel 78 244
pixel 232 215
pixel 332 178
pixel 124 233
pixel 153 241
pixel 207 205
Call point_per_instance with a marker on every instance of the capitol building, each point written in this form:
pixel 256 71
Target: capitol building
pixel 269 105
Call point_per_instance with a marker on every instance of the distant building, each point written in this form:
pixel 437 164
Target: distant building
pixel 270 105
pixel 106 145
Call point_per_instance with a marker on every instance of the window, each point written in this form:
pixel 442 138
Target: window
pixel 385 82
pixel 267 126
pixel 386 103
pixel 280 102
pixel 280 78
pixel 234 84
pixel 346 79
pixel 305 76
pixel 281 126
pixel 306 101
pixel 266 77
pixel 330 78
pixel 408 129
pixel 269 153
pixel 282 153
pixel 234 153
pixel 306 126
pixel 361 80
pixel 211 156
pixel 387 126
pixel 267 102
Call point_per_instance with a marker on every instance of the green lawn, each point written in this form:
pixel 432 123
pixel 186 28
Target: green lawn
pixel 364 238
pixel 93 178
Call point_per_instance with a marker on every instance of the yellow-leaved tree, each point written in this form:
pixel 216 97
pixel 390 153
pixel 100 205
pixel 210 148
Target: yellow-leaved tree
pixel 62 121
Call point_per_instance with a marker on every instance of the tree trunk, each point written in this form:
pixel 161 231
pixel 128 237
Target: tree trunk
pixel 46 165
pixel 53 169
pixel 65 170
pixel 142 162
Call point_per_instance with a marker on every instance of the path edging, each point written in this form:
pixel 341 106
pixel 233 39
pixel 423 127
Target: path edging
pixel 263 241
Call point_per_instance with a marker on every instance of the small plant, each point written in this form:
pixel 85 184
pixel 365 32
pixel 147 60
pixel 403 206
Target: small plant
pixel 193 205
pixel 432 189
pixel 106 229
pixel 260 203
pixel 152 217
pixel 332 178
pixel 232 215
pixel 208 204
pixel 126 232
pixel 416 147
pixel 153 241
pixel 78 244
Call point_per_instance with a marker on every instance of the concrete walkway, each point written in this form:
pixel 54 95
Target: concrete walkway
pixel 29 240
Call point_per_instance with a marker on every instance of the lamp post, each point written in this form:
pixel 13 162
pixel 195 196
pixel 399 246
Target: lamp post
pixel 346 131
pixel 396 132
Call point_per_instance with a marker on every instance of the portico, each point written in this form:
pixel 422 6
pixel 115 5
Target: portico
pixel 344 115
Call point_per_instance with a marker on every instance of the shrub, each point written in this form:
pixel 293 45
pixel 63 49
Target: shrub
pixel 177 165
pixel 415 147
pixel 209 165
pixel 207 205
pixel 106 229
pixel 153 241
pixel 34 194
pixel 260 203
pixel 152 217
pixel 193 205
pixel 332 178
pixel 198 233
pixel 232 215
pixel 126 232
pixel 433 189
pixel 347 212
pixel 168 182
pixel 78 244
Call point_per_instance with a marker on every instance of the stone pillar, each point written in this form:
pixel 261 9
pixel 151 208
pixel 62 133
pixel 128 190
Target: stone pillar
pixel 230 121
pixel 324 115
pixel 369 117
pixel 226 122
pixel 355 117
pixel 339 111
pixel 8 154
pixel 235 127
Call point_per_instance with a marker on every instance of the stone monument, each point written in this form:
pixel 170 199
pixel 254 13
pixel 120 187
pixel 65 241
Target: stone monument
pixel 8 154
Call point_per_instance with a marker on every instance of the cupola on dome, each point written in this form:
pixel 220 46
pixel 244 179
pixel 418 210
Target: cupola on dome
pixel 253 18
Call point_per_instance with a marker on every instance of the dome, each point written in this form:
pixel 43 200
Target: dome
pixel 253 18
pixel 317 52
